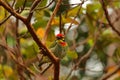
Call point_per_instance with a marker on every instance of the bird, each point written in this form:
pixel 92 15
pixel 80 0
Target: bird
pixel 58 48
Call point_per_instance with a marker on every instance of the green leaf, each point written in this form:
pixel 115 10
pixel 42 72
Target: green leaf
pixel 39 23
pixel 116 4
pixel 73 11
pixel 2 28
pixel 63 8
pixel 116 55
pixel 28 48
pixel 38 15
pixel 94 10
pixel 25 13
pixel 90 42
pixel 102 56
pixel 55 21
pixel 5 70
pixel 91 25
pixel 2 13
pixel 117 78
pixel 19 3
pixel 93 7
pixel 47 13
pixel 11 40
pixel 43 3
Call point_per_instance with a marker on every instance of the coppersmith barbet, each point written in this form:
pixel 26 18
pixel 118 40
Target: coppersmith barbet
pixel 58 48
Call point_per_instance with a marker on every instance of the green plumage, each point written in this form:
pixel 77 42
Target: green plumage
pixel 58 50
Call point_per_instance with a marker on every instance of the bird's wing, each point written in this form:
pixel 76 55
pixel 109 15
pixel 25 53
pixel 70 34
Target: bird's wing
pixel 53 44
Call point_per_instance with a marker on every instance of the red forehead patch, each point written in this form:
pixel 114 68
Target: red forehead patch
pixel 60 35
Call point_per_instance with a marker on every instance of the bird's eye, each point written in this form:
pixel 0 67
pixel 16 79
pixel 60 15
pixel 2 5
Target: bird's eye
pixel 58 38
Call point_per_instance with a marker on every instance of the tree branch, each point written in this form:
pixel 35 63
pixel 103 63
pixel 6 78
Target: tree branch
pixel 31 30
pixel 13 3
pixel 57 70
pixel 107 17
pixel 84 57
pixel 23 7
pixel 45 6
pixel 75 16
pixel 2 22
pixel 11 52
pixel 60 23
pixel 107 75
pixel 46 68
pixel 48 27
pixel 43 48
pixel 35 3
pixel 12 11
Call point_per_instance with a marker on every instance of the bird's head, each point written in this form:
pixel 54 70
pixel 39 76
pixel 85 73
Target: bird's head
pixel 60 36
pixel 60 39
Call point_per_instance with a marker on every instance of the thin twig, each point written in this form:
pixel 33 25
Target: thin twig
pixel 23 35
pixel 78 44
pixel 42 47
pixel 41 8
pixel 107 75
pixel 107 17
pixel 13 3
pixel 83 57
pixel 46 68
pixel 18 52
pixel 35 3
pixel 11 52
pixel 48 27
pixel 23 7
pixel 2 22
pixel 75 16
pixel 3 71
pixel 7 3
pixel 11 10
pixel 45 50
pixel 60 23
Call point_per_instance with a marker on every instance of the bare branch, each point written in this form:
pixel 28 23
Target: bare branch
pixel 12 11
pixel 45 6
pixel 7 3
pixel 78 44
pixel 107 17
pixel 57 70
pixel 45 50
pixel 35 3
pixel 42 47
pixel 13 3
pixel 48 27
pixel 2 22
pixel 23 7
pixel 75 16
pixel 41 8
pixel 46 68
pixel 31 30
pixel 11 53
pixel 107 75
pixel 60 23
pixel 84 57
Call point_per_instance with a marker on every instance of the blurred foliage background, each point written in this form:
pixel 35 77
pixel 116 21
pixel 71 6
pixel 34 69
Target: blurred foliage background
pixel 83 23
